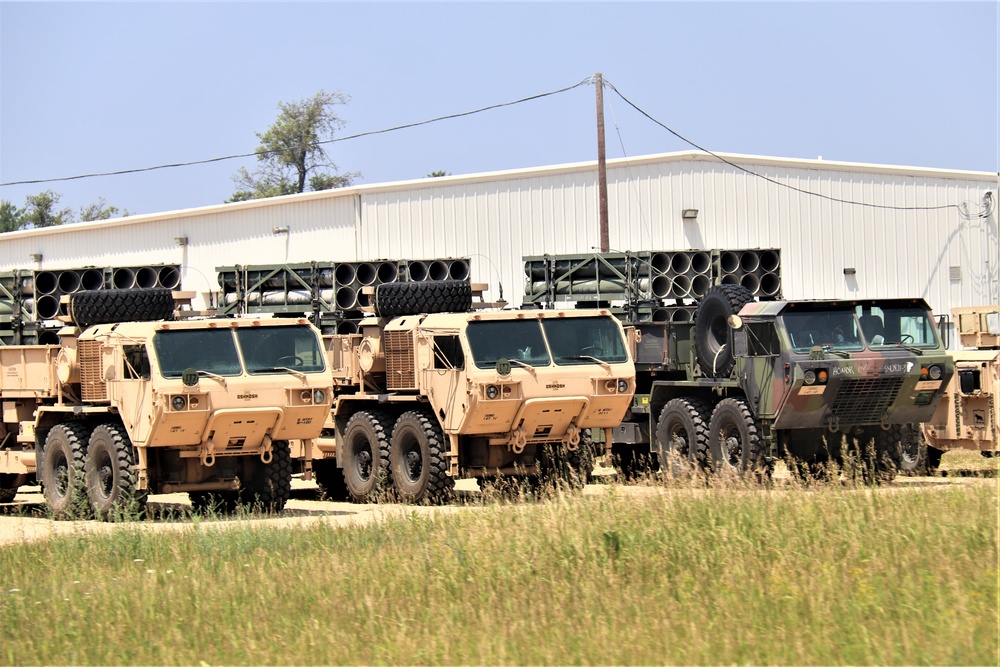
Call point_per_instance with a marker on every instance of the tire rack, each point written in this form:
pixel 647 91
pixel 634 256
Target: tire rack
pixel 649 286
pixel 334 295
pixel 31 301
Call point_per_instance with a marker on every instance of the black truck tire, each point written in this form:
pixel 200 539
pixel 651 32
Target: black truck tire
pixel 711 329
pixel 268 485
pixel 417 459
pixel 734 440
pixel 330 480
pixel 121 305
pixel 61 469
pixel 110 475
pixel 413 298
pixel 682 436
pixel 366 454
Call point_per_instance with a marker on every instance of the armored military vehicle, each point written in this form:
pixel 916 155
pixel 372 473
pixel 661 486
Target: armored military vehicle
pixel 120 409
pixel 727 382
pixel 431 390
pixel 969 416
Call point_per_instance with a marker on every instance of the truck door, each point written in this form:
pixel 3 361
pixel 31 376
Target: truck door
pixel 761 374
pixel 129 390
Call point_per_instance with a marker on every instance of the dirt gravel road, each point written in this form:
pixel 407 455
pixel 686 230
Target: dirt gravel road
pixel 25 520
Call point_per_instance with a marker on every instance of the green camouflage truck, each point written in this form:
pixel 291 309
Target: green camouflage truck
pixel 749 382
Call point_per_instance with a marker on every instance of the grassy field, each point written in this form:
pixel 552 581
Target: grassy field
pixel 672 576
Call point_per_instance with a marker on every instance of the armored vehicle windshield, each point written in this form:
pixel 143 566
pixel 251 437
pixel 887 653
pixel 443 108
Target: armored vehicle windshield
pixel 266 350
pixel 570 340
pixel 852 328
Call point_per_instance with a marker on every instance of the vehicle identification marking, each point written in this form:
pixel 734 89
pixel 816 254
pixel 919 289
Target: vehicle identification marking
pixel 811 391
pixel 248 397
pixel 924 385
pixel 555 385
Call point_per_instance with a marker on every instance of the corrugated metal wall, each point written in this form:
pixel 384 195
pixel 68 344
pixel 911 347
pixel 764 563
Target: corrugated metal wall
pixel 948 255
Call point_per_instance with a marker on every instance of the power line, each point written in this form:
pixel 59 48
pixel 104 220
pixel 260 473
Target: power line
pixel 772 180
pixel 585 82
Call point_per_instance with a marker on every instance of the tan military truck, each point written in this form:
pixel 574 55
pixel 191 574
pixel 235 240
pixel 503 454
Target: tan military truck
pixel 121 409
pixel 969 415
pixel 448 392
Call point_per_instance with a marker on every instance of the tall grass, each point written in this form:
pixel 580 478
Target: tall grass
pixel 687 576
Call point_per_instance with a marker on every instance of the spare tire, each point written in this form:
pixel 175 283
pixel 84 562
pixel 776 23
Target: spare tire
pixel 711 330
pixel 414 298
pixel 121 305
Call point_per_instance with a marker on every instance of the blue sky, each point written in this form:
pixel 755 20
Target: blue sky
pixel 94 87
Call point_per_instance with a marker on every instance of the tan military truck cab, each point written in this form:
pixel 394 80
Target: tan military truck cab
pixel 969 416
pixel 120 410
pixel 426 399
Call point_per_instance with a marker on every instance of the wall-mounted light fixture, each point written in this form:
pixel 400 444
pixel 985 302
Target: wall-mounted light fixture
pixel 850 271
pixel 279 230
pixel 35 256
pixel 181 240
pixel 690 214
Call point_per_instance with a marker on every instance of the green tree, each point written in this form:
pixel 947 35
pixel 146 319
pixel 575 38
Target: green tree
pixel 291 155
pixel 438 174
pixel 100 210
pixel 11 217
pixel 40 211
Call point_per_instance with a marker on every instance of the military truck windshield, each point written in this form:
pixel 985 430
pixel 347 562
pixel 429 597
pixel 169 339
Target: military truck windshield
pixel 517 340
pixel 830 329
pixel 901 326
pixel 212 350
pixel 280 349
pixel 582 340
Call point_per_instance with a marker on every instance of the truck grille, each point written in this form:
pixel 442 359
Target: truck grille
pixel 865 401
pixel 399 366
pixel 92 385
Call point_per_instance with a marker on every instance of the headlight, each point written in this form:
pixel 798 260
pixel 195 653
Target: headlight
pixel 305 396
pixel 809 377
pixel 178 403
pixel 934 372
pixel 319 396
pixel 622 386
pixel 193 402
pixel 492 391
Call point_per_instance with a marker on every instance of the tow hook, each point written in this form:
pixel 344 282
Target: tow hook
pixel 265 450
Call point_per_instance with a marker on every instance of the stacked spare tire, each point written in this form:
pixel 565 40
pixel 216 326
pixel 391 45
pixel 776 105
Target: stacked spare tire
pixel 414 298
pixel 120 305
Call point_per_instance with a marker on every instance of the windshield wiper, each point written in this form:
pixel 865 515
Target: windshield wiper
pixel 213 376
pixel 839 353
pixel 587 357
pixel 529 367
pixel 271 369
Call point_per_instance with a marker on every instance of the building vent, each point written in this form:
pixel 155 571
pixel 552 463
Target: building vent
pixel 399 365
pixel 92 385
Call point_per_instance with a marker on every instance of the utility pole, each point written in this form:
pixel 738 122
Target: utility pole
pixel 602 167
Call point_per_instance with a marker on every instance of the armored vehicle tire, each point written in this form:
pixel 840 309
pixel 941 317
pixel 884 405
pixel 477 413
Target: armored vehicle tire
pixel 366 454
pixel 412 298
pixel 121 305
pixel 417 459
pixel 268 485
pixel 888 456
pixel 682 435
pixel 7 490
pixel 110 475
pixel 570 467
pixel 916 457
pixel 711 329
pixel 214 502
pixel 629 463
pixel 330 479
pixel 61 469
pixel 734 440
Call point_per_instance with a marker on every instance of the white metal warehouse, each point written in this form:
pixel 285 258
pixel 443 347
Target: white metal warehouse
pixel 916 232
